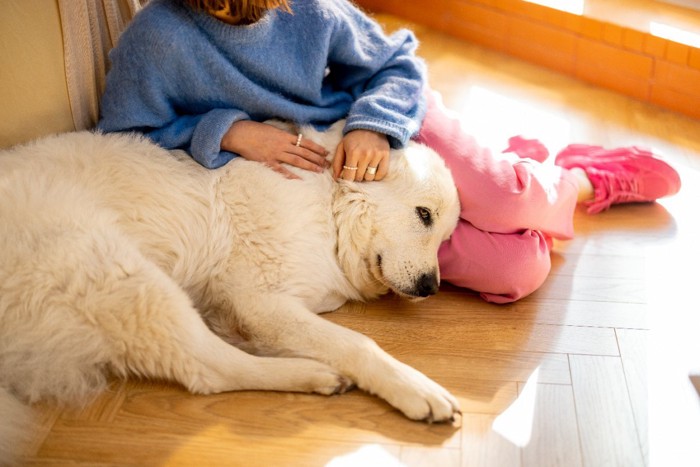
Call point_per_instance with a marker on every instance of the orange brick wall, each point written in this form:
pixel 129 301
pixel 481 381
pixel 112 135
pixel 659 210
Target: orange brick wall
pixel 625 60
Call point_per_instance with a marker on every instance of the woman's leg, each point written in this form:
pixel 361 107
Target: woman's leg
pixel 500 193
pixel 501 267
pixel 511 207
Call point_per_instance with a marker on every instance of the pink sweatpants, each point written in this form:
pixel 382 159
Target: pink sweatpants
pixel 511 208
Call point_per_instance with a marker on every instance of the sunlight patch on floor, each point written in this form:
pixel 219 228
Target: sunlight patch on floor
pixel 371 454
pixel 674 404
pixel 515 423
pixel 494 117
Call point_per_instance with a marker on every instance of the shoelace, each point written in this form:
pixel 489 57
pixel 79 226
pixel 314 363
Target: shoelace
pixel 612 188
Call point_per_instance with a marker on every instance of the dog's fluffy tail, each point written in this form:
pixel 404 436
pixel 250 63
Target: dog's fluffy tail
pixel 16 427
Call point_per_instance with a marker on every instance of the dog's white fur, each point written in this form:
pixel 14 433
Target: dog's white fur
pixel 118 256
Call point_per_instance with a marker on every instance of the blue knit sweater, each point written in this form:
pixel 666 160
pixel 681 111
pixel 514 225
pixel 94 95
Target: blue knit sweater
pixel 182 78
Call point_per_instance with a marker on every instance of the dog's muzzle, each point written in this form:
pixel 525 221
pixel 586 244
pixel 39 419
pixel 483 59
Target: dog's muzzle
pixel 426 285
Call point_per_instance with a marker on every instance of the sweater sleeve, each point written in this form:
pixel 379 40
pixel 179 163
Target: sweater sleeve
pixel 125 107
pixel 199 135
pixel 145 92
pixel 383 74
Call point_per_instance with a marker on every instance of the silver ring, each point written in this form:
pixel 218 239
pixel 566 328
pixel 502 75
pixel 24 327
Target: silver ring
pixel 371 170
pixel 299 136
pixel 347 167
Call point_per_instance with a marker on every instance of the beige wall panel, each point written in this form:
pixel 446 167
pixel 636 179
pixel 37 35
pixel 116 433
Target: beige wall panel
pixel 33 92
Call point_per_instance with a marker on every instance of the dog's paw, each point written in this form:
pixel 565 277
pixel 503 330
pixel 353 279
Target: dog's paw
pixel 421 398
pixel 342 386
pixel 325 380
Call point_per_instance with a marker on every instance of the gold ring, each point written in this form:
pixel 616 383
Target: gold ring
pixel 299 136
pixel 371 170
pixel 347 167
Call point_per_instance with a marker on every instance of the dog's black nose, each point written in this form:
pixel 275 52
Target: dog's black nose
pixel 426 285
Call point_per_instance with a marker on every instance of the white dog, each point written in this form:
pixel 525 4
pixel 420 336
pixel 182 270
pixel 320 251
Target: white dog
pixel 119 257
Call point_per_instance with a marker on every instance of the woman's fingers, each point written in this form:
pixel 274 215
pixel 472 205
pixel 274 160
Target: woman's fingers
pixel 307 161
pixel 383 168
pixel 349 171
pixel 372 171
pixel 369 166
pixel 305 154
pixel 309 146
pixel 302 157
pixel 343 165
pixel 364 155
pixel 272 146
pixel 338 161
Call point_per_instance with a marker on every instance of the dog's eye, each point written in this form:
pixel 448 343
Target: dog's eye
pixel 424 215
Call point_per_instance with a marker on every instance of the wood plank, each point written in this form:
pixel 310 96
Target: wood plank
pixel 630 244
pixel 485 397
pixel 213 445
pixel 633 351
pixel 104 408
pixel 419 456
pixel 474 365
pixel 45 415
pixel 593 289
pixel 589 265
pixel 566 312
pixel 467 334
pixel 555 438
pixel 606 421
pixel 353 417
pixel 453 304
pixel 483 447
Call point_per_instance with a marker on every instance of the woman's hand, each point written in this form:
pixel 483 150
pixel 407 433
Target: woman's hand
pixel 267 144
pixel 362 155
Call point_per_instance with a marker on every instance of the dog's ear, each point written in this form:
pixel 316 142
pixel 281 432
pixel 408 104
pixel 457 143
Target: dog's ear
pixel 352 212
pixel 354 219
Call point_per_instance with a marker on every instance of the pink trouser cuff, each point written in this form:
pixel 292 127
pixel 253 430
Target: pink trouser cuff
pixel 502 267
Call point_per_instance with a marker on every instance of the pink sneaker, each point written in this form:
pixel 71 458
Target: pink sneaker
pixel 622 175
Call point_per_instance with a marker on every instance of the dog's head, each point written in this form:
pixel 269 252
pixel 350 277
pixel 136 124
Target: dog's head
pixel 389 231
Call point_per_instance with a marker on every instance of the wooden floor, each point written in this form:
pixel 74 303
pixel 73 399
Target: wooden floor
pixel 590 370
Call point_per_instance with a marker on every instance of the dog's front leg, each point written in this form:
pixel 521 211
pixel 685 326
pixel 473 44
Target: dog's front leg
pixel 282 324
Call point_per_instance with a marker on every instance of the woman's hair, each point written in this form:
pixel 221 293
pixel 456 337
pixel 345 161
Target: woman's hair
pixel 239 11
